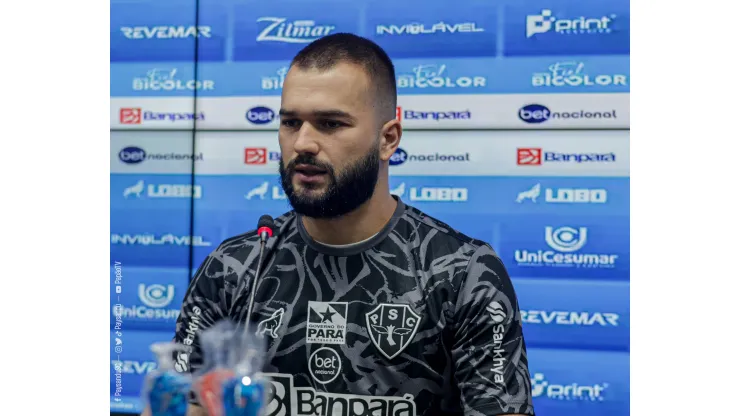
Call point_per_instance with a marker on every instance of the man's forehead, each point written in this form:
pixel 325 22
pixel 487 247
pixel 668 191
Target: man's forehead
pixel 343 87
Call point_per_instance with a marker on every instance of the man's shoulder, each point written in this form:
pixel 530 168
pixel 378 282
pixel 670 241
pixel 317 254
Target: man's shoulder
pixel 438 232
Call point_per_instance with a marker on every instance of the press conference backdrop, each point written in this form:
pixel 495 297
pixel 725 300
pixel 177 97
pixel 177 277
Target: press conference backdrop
pixel 553 202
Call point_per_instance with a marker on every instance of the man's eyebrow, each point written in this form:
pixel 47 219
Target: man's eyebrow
pixel 319 114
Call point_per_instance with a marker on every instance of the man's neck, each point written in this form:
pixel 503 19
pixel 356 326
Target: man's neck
pixel 356 226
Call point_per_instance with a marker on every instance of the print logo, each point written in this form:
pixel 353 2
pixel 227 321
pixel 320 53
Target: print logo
pixel 130 116
pixel 156 296
pixel 574 391
pixel 532 194
pixel 325 365
pixel 255 155
pixel 529 156
pixel 566 239
pixel 392 328
pixel 497 312
pixel 326 323
pixel 270 325
pixel 543 23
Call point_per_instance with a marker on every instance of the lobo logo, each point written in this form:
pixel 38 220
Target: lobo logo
pixel 287 400
pixel 392 327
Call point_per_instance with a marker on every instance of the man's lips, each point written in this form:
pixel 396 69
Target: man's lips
pixel 309 170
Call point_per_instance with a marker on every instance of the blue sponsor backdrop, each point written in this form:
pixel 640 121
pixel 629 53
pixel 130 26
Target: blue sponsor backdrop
pixel 472 47
pixel 536 224
pixel 564 240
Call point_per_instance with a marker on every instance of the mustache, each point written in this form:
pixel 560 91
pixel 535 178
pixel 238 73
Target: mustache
pixel 306 159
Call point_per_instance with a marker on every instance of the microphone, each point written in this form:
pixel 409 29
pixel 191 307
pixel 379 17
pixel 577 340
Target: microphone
pixel 265 227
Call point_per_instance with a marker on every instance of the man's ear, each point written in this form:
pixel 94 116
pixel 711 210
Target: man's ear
pixel 390 138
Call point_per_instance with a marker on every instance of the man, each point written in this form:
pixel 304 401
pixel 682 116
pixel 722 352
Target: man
pixel 368 306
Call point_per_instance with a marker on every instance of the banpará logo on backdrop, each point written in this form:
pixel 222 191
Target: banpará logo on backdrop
pixel 166 32
pixel 564 195
pixel 263 190
pixel 572 74
pixel 541 387
pixel 400 157
pixel 168 190
pixel 159 240
pixel 431 194
pixel 133 155
pixel 155 299
pixel 260 115
pixel 166 80
pixel 414 29
pixel 274 82
pixel 535 156
pixel 570 26
pixel 279 29
pixel 138 116
pixel 565 243
pixel 434 76
pixel 538 113
pixel 259 156
pixel 570 318
pixel 402 114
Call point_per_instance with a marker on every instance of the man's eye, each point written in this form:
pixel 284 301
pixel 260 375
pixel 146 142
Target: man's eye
pixel 290 123
pixel 330 124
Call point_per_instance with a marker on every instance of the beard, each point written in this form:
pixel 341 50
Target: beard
pixel 344 193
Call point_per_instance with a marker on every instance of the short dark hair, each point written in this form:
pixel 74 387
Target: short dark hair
pixel 326 52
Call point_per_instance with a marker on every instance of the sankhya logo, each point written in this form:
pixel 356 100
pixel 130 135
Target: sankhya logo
pixel 496 311
pixel 541 387
pixel 156 296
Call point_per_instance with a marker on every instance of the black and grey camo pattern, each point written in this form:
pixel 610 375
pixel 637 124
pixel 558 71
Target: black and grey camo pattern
pixel 445 277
